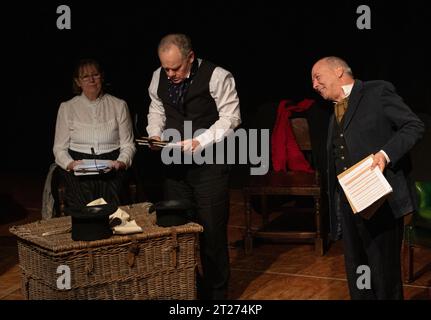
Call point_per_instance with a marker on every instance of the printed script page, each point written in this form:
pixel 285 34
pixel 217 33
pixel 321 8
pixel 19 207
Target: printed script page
pixel 362 185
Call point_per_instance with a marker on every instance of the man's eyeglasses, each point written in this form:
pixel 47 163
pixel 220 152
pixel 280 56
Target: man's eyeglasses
pixel 87 78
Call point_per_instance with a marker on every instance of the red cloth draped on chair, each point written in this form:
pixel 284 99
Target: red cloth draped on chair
pixel 285 151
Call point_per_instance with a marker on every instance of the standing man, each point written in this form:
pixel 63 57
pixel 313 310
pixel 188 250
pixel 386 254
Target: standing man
pixel 369 118
pixel 183 89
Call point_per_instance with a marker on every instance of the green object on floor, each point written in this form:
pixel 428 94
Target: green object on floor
pixel 423 216
pixel 418 232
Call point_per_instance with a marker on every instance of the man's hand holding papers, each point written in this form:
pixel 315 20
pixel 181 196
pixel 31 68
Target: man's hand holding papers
pixel 365 187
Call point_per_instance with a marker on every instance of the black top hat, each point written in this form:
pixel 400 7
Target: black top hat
pixel 173 212
pixel 91 222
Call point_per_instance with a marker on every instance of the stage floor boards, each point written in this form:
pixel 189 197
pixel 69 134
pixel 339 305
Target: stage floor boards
pixel 274 271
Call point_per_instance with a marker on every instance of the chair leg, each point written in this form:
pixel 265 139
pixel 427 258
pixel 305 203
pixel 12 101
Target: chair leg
pixel 318 242
pixel 264 208
pixel 133 192
pixel 248 244
pixel 409 271
pixel 61 200
pixel 319 247
pixel 248 238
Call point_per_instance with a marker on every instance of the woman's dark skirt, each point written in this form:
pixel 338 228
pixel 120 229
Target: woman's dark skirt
pixel 80 190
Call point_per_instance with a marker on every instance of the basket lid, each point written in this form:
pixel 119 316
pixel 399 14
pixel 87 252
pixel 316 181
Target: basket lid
pixel 54 234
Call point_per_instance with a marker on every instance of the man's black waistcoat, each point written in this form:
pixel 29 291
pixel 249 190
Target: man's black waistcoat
pixel 199 106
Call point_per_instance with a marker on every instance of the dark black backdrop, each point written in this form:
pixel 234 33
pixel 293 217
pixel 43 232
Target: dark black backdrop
pixel 269 47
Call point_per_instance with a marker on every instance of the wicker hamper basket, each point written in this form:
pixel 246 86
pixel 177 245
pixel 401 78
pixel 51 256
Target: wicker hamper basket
pixel 159 263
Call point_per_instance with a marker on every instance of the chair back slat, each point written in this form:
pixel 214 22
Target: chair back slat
pixel 302 133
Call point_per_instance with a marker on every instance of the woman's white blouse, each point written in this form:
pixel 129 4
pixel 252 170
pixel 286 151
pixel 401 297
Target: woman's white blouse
pixel 103 124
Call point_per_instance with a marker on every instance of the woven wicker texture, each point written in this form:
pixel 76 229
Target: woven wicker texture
pixel 159 263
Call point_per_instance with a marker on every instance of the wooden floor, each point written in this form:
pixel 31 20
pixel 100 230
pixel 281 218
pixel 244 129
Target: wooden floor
pixel 275 271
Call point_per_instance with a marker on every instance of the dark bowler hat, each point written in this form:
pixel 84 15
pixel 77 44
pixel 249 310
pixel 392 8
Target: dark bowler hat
pixel 173 212
pixel 91 222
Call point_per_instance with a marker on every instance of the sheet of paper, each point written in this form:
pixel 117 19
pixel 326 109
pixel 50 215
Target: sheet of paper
pixel 364 186
pixel 91 166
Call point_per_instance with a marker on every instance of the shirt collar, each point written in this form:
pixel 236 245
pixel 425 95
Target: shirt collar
pixel 347 89
pixel 91 102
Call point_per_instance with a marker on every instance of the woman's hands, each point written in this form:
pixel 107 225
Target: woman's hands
pixel 118 165
pixel 72 165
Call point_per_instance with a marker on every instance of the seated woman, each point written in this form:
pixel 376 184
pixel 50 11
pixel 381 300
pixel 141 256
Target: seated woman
pixel 93 125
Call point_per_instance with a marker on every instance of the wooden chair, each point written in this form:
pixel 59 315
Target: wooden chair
pixel 289 184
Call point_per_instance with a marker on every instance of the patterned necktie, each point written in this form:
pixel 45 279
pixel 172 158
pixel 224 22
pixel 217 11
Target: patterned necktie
pixel 340 109
pixel 178 91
